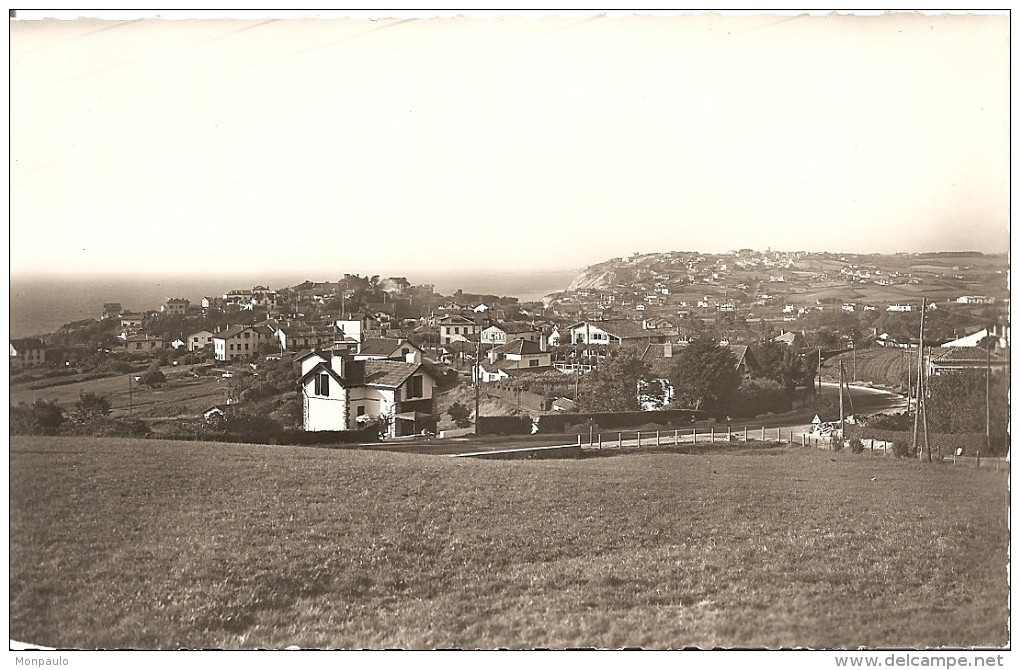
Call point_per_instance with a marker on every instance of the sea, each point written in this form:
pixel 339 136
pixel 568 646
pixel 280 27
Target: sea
pixel 42 304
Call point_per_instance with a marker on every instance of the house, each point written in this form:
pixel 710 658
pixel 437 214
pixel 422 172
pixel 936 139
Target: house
pixel 340 393
pixel 563 405
pixel 214 412
pixel 112 310
pixel 978 339
pixel 614 332
pixel 200 340
pixel 239 298
pixel 746 364
pixel 382 348
pixel 238 342
pixel 353 328
pixel 263 297
pixel 175 306
pixel 492 372
pixel 298 336
pixel 142 343
pixel 521 355
pixel 497 335
pixel 790 339
pixel 456 328
pixel 899 308
pixel 130 322
pixel 178 344
pixel 481 308
pixel 975 300
pixel 955 359
pixel 27 352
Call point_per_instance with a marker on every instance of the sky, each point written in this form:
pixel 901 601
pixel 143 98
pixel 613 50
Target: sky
pixel 502 144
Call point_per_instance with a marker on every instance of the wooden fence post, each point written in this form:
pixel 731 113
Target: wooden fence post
pixel 763 433
pixel 745 433
pixel 619 444
pixel 729 434
pixel 676 438
pixel 600 441
pixel 639 439
pixel 656 438
pixel 695 435
pixel 713 435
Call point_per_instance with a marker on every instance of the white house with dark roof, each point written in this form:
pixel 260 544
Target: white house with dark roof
pixel 238 342
pixel 456 328
pixel 521 355
pixel 382 348
pixel 615 332
pixel 26 352
pixel 200 340
pixel 499 334
pixel 340 393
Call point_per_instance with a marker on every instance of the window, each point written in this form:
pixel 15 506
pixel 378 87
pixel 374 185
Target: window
pixel 322 384
pixel 247 335
pixel 415 387
pixel 246 346
pixel 361 410
pixel 404 352
pixel 231 346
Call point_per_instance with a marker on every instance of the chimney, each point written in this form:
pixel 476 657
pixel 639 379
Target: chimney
pixel 338 361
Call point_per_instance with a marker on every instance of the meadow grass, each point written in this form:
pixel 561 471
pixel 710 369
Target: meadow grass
pixel 155 544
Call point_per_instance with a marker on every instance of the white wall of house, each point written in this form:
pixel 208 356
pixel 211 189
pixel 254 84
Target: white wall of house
pixel 324 411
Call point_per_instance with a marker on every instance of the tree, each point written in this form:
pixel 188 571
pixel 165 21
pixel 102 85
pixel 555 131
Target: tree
pixel 460 414
pixel 613 386
pixel 153 377
pixel 91 406
pixel 704 376
pixel 42 417
pixel 956 403
pixel 780 364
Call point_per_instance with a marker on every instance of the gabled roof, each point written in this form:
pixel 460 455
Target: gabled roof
pixel 28 343
pixel 455 319
pixel 513 327
pixel 519 347
pixel 232 332
pixel 620 328
pixel 743 355
pixel 389 374
pixel 384 346
pixel 320 367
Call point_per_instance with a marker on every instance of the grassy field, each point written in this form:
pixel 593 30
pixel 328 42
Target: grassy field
pixel 182 390
pixel 153 544
pixel 885 366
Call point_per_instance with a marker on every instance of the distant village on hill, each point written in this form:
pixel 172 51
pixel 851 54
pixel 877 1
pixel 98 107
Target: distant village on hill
pixel 389 349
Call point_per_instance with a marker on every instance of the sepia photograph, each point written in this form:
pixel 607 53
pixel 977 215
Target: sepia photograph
pixel 510 330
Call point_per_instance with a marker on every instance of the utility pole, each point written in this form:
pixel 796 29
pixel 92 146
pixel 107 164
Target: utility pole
pixel 920 405
pixel 478 380
pixel 819 371
pixel 841 401
pixel 988 389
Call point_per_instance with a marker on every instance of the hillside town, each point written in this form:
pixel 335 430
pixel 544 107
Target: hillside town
pixel 384 353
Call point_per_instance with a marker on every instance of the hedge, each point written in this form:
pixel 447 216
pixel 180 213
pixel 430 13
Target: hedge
pixel 569 422
pixel 950 442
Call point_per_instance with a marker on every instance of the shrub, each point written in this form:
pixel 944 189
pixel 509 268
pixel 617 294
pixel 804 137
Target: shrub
pixel 42 417
pixel 856 446
pixel 901 449
pixel 104 426
pixel 460 414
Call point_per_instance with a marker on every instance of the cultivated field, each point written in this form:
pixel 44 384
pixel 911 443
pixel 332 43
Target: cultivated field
pixel 182 390
pixel 878 365
pixel 154 544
